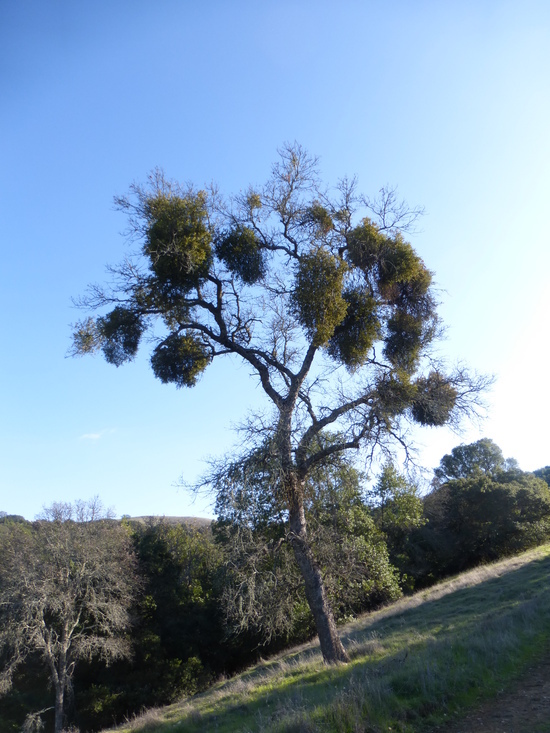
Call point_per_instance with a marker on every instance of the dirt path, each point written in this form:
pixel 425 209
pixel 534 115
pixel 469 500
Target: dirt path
pixel 524 710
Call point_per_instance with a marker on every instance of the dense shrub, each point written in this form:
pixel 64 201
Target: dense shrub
pixel 479 519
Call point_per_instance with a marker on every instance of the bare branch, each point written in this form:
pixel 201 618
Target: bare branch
pixel 391 213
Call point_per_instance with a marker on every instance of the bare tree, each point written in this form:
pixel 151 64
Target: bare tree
pixel 65 591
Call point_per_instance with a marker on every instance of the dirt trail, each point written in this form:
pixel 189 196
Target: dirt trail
pixel 525 709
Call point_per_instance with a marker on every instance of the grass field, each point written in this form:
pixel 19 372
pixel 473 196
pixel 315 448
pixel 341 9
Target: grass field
pixel 414 665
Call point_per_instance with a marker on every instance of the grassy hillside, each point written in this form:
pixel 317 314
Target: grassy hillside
pixel 415 664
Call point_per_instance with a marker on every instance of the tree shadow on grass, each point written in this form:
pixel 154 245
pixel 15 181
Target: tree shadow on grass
pixel 413 663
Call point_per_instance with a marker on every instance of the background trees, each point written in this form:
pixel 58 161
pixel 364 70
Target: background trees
pixel 397 510
pixel 482 507
pixel 65 590
pixel 543 473
pixel 179 629
pixel 215 597
pixel 263 591
pixel 332 311
pixel 485 517
pixel 483 456
pixel 178 636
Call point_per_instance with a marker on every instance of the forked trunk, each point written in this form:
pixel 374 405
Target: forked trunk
pixel 331 646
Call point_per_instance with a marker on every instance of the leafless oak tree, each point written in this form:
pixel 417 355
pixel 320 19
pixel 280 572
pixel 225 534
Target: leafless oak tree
pixel 65 591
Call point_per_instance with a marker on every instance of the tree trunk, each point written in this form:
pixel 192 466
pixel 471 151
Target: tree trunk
pixel 60 687
pixel 331 646
pixel 59 700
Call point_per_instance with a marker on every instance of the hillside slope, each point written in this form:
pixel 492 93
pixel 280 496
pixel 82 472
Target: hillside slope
pixel 523 709
pixel 416 665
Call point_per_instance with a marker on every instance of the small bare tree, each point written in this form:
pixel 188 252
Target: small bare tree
pixel 66 586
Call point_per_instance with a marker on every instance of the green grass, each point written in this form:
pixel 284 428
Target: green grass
pixel 414 665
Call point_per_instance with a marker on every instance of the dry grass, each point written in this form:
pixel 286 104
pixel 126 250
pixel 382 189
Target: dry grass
pixel 148 720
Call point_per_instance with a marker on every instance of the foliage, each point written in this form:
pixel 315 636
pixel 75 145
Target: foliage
pixel 356 333
pixel 543 473
pixel 241 252
pixel 179 359
pixel 6 518
pixel 317 296
pixel 30 694
pixel 486 518
pixel 65 590
pixel 417 666
pixel 487 515
pixel 263 589
pixel 178 635
pixel 434 400
pixel 397 504
pixel 120 332
pixel 398 510
pixel 483 456
pixel 481 507
pixel 179 609
pixel 178 241
pixel 317 291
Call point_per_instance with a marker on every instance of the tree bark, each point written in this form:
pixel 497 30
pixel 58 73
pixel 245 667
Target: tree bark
pixel 59 700
pixel 60 686
pixel 332 648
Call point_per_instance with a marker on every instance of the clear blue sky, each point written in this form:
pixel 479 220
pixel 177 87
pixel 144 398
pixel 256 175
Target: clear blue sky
pixel 448 100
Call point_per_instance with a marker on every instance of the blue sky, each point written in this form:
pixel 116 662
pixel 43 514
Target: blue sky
pixel 449 101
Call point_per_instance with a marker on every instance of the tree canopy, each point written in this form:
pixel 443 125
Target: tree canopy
pixel 317 290
pixel 543 473
pixel 263 589
pixel 397 510
pixel 484 517
pixel 464 461
pixel 66 587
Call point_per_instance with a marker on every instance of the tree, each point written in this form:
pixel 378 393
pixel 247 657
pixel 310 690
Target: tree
pixel 483 456
pixel 543 473
pixel 332 311
pixel 487 516
pixel 180 631
pixel 397 504
pixel 263 588
pixel 65 590
pixel 397 510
